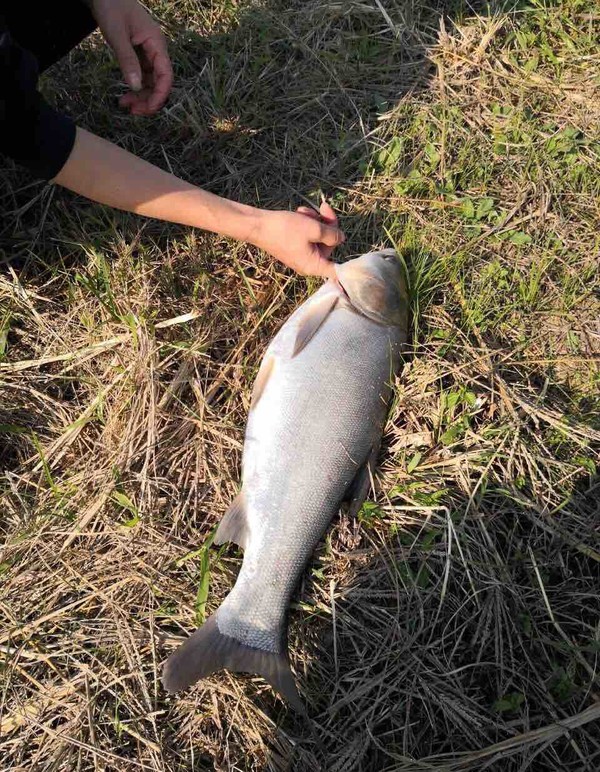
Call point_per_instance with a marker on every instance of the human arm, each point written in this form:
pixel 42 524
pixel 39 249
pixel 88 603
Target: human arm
pixel 106 173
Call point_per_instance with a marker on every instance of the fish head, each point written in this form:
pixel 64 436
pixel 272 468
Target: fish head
pixel 375 285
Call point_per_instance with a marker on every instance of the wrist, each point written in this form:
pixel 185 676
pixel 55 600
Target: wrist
pixel 232 219
pixel 255 225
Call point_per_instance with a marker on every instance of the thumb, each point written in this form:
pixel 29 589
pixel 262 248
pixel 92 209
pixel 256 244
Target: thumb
pixel 327 213
pixel 330 235
pixel 326 268
pixel 128 60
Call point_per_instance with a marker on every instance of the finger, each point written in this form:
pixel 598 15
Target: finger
pixel 325 251
pixel 155 49
pixel 141 108
pixel 127 58
pixel 126 100
pixel 136 102
pixel 325 267
pixel 132 97
pixel 306 210
pixel 330 236
pixel 327 213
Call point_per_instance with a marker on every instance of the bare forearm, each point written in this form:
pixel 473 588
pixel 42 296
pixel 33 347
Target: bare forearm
pixel 110 175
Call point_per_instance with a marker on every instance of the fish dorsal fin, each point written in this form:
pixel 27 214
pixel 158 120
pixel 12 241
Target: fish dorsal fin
pixel 264 373
pixel 313 318
pixel 234 525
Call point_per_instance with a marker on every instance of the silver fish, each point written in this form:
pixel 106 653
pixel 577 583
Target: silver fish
pixel 318 407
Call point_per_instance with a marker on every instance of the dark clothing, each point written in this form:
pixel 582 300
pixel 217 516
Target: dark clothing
pixel 32 37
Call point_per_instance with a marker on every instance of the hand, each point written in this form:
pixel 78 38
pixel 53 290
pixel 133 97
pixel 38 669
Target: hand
pixel 141 50
pixel 302 240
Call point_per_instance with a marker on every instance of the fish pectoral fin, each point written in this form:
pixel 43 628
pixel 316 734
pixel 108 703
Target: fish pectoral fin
pixel 264 373
pixel 359 488
pixel 208 650
pixel 234 524
pixel 313 318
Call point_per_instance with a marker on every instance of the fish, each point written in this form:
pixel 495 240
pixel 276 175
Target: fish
pixel 317 413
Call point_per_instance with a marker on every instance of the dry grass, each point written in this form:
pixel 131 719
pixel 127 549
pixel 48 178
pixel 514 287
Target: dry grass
pixel 456 625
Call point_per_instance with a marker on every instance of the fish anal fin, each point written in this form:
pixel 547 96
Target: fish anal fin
pixel 359 488
pixel 208 650
pixel 234 524
pixel 313 318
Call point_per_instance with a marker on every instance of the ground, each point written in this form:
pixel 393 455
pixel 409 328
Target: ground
pixel 455 625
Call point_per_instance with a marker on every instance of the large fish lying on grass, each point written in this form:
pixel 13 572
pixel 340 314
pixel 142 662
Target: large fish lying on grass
pixel 318 407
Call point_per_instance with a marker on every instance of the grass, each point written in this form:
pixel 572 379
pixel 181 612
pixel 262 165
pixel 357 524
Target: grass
pixel 455 625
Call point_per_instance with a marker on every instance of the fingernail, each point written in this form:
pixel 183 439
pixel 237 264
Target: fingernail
pixel 134 81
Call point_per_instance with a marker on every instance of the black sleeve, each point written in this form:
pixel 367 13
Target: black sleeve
pixel 31 132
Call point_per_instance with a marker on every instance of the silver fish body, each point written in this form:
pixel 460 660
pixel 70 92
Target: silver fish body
pixel 316 419
pixel 307 438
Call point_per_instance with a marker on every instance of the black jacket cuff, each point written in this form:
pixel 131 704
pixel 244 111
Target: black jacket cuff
pixel 50 142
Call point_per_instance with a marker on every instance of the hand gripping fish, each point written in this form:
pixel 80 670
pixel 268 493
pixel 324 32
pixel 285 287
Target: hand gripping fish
pixel 318 409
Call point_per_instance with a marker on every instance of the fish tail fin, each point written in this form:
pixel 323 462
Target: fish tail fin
pixel 208 650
